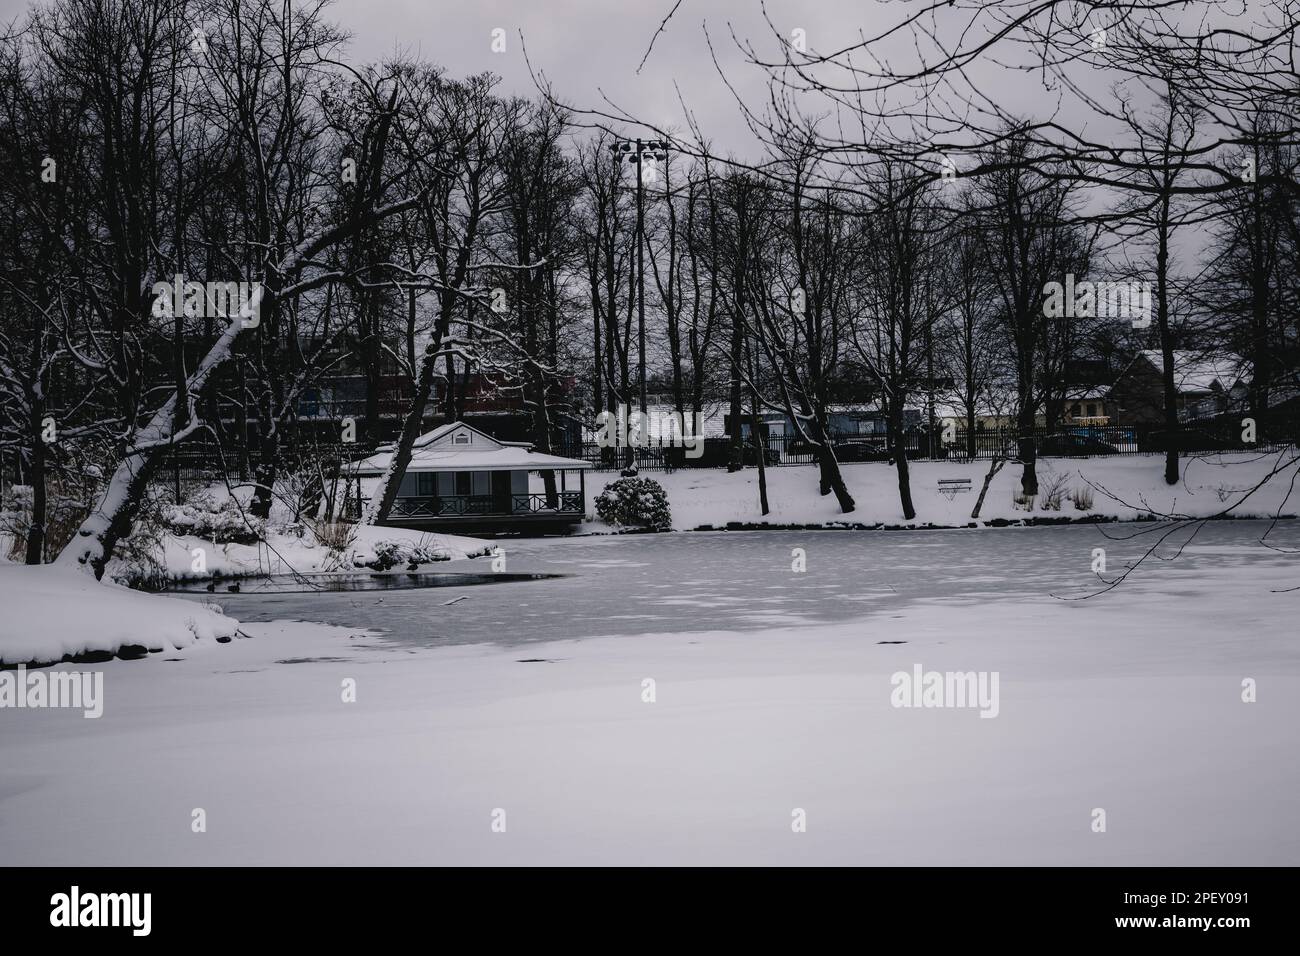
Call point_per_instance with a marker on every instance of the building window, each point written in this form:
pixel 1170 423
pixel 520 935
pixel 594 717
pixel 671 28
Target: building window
pixel 482 483
pixel 462 483
pixel 426 484
pixel 1076 411
pixel 461 438
pixel 1092 409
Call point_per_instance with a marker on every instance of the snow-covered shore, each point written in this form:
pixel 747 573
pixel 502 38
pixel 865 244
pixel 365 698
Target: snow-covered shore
pixel 1123 488
pixel 50 612
pixel 53 612
pixel 1131 703
pixel 371 547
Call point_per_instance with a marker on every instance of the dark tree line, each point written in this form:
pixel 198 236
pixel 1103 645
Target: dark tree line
pixel 436 231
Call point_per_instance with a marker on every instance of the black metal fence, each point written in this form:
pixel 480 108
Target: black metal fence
pixel 1088 441
pixel 189 464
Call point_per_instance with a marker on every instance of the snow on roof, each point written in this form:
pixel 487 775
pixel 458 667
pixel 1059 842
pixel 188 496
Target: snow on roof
pixel 951 410
pixel 1087 393
pixel 460 447
pixel 712 420
pixel 1195 372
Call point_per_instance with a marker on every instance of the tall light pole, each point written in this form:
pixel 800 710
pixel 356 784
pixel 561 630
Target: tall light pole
pixel 636 151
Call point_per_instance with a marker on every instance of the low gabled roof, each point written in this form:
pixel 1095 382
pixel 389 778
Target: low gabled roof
pixel 1198 372
pixel 436 451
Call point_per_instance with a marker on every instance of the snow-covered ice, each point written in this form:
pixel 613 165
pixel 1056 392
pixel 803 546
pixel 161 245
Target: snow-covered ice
pixel 1130 702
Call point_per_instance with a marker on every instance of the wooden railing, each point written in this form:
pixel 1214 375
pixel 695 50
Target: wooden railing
pixel 456 506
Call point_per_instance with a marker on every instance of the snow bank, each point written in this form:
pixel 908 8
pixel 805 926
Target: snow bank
pixel 188 557
pixel 51 612
pixel 1135 483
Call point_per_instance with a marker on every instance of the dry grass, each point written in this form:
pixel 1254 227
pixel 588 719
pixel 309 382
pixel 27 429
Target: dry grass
pixel 1054 491
pixel 334 535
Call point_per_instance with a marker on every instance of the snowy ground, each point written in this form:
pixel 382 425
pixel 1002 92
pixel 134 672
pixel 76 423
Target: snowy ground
pixel 700 497
pixel 50 612
pixel 1130 703
pixel 293 554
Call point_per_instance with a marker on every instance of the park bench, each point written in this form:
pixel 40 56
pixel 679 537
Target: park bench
pixel 951 487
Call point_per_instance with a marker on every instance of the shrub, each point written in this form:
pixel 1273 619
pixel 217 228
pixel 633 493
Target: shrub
pixel 635 502
pixel 1021 502
pixel 68 500
pixel 391 553
pixel 334 535
pixel 223 523
pixel 138 561
pixel 1082 499
pixel 1054 492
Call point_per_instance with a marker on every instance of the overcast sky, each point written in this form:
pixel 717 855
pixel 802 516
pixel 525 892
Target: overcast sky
pixel 590 49
pixel 584 46
pixel 589 46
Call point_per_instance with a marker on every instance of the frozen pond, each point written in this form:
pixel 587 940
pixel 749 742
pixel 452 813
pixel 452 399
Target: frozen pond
pixel 700 581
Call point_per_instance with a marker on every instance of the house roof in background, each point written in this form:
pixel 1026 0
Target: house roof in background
pixel 1197 372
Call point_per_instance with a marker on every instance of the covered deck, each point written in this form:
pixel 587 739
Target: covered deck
pixel 458 478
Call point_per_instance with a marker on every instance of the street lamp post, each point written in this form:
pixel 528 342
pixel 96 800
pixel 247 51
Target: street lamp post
pixel 636 152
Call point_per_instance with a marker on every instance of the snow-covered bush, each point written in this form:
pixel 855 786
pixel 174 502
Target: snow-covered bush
pixel 635 502
pixel 204 517
pixel 1082 498
pixel 391 553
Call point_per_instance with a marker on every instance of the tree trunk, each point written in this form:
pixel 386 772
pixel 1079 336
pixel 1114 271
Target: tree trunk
pixel 900 462
pixel 36 527
pixel 412 427
pixel 1027 451
pixel 92 546
pixel 370 327
pixel 994 467
pixel 1166 342
pixel 829 469
pixel 735 460
pixel 759 451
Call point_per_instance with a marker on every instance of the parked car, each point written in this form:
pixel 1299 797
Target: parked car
pixel 1064 445
pixel 861 450
pixel 1187 439
pixel 717 452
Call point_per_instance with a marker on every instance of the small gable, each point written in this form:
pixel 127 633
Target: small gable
pixel 458 436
